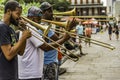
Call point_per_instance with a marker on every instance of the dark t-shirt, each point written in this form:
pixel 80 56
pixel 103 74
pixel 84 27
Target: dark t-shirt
pixel 8 69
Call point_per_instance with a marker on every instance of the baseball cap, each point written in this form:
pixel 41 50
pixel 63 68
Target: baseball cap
pixel 34 11
pixel 45 5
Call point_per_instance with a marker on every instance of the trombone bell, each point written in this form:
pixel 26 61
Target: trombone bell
pixel 61 24
pixel 45 29
pixel 68 13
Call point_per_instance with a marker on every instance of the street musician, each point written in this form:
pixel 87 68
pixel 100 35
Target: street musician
pixel 9 46
pixel 31 63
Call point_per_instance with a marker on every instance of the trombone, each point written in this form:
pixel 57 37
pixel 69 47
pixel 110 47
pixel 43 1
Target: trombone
pixel 41 27
pixel 106 45
pixel 70 13
pixel 62 24
pixel 95 41
pixel 38 26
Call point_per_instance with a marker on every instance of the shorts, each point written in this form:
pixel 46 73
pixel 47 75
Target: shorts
pixel 50 71
pixel 32 79
pixel 88 38
pixel 69 46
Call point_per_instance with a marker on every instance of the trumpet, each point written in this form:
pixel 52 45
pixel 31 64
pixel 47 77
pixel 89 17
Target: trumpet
pixel 41 27
pixel 70 13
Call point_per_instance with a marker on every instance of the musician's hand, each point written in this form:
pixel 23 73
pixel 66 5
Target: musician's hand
pixel 26 34
pixel 71 24
pixel 22 24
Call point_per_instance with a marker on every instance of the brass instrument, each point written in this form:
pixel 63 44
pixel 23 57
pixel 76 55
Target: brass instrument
pixel 43 29
pixel 106 45
pixel 62 24
pixel 68 13
pixel 98 42
pixel 38 26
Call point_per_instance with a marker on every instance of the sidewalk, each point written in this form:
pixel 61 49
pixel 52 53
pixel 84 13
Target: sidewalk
pixel 100 63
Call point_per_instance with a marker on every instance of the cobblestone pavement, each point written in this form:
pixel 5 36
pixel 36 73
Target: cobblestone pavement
pixel 100 63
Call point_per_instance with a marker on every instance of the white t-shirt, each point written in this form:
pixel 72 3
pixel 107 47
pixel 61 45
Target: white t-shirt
pixel 30 65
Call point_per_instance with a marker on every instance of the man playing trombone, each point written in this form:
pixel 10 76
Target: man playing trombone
pixel 50 58
pixel 9 46
pixel 31 63
pixel 51 64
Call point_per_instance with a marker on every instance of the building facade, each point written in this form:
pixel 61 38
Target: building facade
pixel 88 7
pixel 116 10
pixel 111 7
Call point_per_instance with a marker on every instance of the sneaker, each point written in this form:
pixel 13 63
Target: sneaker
pixel 83 54
pixel 62 71
pixel 79 55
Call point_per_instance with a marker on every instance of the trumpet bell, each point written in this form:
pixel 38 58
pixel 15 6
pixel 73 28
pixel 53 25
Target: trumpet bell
pixel 68 13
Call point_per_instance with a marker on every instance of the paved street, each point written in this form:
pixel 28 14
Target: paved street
pixel 100 63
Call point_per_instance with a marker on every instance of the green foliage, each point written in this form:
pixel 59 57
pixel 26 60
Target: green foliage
pixel 50 1
pixel 31 1
pixel 27 6
pixel 62 5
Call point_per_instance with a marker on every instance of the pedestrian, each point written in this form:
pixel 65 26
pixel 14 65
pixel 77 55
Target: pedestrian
pixel 104 27
pixel 9 46
pixel 88 32
pixel 80 33
pixel 110 31
pixel 31 62
pixel 80 30
pixel 117 32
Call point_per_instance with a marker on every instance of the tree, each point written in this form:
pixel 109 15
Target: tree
pixel 62 5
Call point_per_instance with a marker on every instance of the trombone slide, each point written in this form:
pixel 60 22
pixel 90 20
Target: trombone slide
pixel 92 40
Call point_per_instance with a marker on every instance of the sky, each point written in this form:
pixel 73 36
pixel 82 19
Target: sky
pixel 104 2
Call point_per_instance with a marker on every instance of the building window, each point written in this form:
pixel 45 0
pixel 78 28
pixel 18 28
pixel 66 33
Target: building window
pixel 87 1
pixel 103 12
pixel 75 1
pixel 87 10
pixel 70 1
pixel 78 12
pixel 81 11
pixel 84 12
pixel 98 1
pixel 92 1
pixel 110 9
pixel 93 11
pixel 81 1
